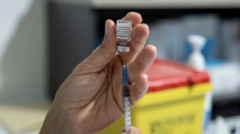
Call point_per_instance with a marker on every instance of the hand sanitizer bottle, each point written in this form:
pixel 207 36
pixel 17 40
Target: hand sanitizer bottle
pixel 196 59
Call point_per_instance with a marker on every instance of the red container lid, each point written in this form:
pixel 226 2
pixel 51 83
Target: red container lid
pixel 166 74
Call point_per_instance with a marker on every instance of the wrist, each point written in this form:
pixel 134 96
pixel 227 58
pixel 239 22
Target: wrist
pixel 52 123
pixel 57 121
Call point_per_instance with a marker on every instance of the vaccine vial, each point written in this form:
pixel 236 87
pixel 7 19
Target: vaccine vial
pixel 123 34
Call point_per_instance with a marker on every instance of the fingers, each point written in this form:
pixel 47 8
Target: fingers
pixel 136 18
pixel 142 63
pixel 139 89
pixel 140 34
pixel 106 51
pixel 134 130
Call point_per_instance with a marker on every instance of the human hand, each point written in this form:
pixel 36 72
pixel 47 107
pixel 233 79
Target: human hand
pixel 91 98
pixel 133 130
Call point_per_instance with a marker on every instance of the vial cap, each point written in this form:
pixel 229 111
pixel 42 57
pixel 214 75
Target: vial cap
pixel 123 48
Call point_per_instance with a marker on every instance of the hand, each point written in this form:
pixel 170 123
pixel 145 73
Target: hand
pixel 133 131
pixel 91 98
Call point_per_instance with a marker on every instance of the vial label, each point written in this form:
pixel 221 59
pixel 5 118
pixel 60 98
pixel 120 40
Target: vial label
pixel 124 29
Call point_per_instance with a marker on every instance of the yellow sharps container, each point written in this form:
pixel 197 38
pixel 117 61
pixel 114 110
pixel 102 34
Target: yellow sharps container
pixel 174 103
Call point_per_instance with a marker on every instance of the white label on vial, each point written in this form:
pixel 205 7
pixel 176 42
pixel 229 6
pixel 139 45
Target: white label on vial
pixel 124 29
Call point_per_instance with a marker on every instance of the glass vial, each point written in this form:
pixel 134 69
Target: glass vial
pixel 123 34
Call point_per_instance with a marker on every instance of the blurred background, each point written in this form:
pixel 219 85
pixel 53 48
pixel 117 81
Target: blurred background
pixel 41 41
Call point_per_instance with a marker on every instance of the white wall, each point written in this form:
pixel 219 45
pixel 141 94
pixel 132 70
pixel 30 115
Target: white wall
pixel 23 67
pixel 84 2
pixel 164 3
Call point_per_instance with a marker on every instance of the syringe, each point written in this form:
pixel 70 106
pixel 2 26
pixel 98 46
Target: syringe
pixel 126 95
pixel 123 34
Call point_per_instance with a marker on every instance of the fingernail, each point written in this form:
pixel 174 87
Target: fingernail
pixel 106 28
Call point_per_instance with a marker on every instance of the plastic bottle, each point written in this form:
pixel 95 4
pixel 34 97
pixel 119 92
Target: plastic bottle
pixel 196 59
pixel 221 126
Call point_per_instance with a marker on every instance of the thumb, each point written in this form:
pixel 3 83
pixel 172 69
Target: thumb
pixel 133 130
pixel 106 51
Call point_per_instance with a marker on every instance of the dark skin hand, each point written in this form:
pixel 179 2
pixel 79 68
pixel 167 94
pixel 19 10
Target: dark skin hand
pixel 91 98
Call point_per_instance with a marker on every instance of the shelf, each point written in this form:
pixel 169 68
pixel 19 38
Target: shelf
pixel 16 117
pixel 228 95
pixel 226 104
pixel 166 4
